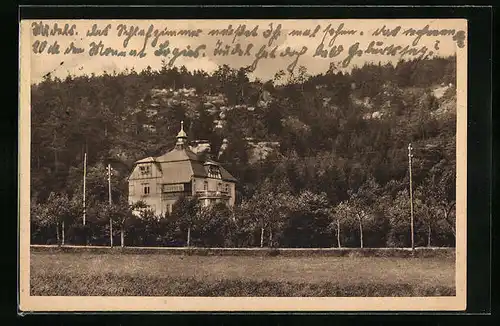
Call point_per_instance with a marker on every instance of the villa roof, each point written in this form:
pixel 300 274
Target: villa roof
pixel 180 164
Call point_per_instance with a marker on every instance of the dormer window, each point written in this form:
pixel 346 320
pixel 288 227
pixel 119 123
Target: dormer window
pixel 214 171
pixel 145 169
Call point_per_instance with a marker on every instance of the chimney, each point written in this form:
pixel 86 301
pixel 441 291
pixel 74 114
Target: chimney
pixel 223 147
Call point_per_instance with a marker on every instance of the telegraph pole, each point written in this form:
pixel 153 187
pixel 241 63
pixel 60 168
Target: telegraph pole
pixel 84 185
pixel 410 156
pixel 110 202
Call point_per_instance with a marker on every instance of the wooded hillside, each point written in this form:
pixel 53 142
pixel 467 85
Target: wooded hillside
pixel 325 157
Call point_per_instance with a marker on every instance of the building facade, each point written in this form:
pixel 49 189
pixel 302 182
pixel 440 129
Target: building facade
pixel 160 181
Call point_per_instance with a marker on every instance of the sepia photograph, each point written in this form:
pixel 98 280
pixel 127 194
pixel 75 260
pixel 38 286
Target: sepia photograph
pixel 232 163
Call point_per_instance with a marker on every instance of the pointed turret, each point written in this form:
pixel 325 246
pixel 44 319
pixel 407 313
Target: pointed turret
pixel 181 138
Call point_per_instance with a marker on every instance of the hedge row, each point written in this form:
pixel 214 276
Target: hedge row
pixel 286 252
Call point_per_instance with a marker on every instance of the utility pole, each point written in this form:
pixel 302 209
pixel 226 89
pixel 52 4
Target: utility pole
pixel 110 202
pixel 84 186
pixel 410 156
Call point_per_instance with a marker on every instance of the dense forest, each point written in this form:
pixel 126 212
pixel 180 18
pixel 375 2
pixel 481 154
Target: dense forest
pixel 337 178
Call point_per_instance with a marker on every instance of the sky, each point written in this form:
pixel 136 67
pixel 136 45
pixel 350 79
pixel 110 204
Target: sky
pixel 61 65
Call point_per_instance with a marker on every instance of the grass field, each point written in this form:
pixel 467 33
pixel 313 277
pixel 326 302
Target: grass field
pixel 104 274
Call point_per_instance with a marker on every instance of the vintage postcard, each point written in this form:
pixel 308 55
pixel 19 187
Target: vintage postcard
pixel 243 165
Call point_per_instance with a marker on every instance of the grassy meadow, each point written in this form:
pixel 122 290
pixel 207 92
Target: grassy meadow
pixel 112 274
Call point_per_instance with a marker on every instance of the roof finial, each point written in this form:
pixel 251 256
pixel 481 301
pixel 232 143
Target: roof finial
pixel 182 133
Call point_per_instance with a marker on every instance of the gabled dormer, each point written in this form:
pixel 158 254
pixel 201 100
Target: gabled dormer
pixel 213 170
pixel 145 169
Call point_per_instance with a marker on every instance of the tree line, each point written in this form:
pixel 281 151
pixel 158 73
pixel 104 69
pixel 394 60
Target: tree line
pixel 272 218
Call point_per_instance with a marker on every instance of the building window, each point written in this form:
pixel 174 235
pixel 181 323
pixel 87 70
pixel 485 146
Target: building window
pixel 226 188
pixel 214 172
pixel 145 187
pixel 145 169
pixel 169 208
pixel 205 186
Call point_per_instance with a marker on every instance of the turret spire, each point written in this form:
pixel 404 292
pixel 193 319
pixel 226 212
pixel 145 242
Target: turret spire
pixel 181 137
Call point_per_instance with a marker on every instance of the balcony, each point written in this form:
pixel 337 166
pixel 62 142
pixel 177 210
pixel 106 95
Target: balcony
pixel 212 194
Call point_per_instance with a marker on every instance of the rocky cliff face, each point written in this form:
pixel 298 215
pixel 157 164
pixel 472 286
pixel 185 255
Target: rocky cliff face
pixel 440 99
pixel 152 108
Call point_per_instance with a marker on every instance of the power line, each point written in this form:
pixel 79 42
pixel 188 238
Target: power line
pixel 84 186
pixel 110 202
pixel 410 156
